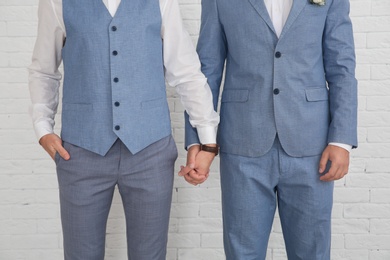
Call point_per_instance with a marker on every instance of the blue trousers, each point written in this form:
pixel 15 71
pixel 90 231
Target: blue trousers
pixel 252 188
pixel 145 182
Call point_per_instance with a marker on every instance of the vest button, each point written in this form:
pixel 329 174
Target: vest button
pixel 113 28
pixel 278 54
pixel 117 104
pixel 276 91
pixel 116 80
pixel 114 53
pixel 117 127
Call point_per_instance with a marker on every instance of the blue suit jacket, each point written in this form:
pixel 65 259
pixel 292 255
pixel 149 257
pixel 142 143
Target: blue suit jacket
pixel 301 86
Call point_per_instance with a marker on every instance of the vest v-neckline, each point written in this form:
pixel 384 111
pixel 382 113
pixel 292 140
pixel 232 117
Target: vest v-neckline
pixel 107 11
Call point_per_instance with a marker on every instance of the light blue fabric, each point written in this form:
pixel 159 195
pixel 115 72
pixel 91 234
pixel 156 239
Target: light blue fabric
pixel 300 87
pixel 315 49
pixel 109 60
pixel 251 190
pixel 116 128
pixel 145 181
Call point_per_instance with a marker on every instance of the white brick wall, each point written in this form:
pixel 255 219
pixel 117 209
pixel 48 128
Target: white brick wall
pixel 29 210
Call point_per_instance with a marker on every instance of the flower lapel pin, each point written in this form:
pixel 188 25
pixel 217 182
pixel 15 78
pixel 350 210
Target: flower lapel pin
pixel 318 2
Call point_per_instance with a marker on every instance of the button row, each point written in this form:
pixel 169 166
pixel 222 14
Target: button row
pixel 277 55
pixel 116 80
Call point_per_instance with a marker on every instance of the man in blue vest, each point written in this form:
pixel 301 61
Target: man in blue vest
pixel 116 129
pixel 288 118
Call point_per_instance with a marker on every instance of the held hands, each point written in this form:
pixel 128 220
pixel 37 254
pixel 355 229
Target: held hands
pixel 52 143
pixel 339 158
pixel 198 165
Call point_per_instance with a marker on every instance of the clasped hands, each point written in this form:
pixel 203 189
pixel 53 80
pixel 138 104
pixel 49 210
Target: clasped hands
pixel 198 165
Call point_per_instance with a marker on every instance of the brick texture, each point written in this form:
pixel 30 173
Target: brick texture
pixel 29 211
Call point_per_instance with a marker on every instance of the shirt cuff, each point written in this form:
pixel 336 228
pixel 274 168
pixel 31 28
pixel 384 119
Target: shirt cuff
pixel 207 134
pixel 188 147
pixel 344 146
pixel 42 128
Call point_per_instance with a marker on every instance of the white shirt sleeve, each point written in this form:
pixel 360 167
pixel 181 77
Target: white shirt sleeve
pixel 344 146
pixel 182 70
pixel 44 77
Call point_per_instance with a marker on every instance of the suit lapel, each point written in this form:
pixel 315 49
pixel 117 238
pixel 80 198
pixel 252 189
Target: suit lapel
pixel 296 9
pixel 262 11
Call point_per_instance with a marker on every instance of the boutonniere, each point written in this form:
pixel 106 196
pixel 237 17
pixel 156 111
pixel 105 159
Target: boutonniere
pixel 318 2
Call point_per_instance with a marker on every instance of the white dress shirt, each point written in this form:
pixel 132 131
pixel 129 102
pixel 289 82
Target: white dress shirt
pixel 182 68
pixel 278 11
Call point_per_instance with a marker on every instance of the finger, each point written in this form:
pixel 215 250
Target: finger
pixel 62 152
pixel 323 161
pixel 331 174
pixel 338 169
pixel 190 180
pixel 50 149
pixel 185 170
pixel 204 172
pixel 341 172
pixel 191 160
pixel 196 176
pixel 180 173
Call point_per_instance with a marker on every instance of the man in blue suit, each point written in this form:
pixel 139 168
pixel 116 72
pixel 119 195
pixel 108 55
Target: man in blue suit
pixel 288 118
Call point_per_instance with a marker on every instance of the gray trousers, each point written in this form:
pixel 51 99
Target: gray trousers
pixel 145 182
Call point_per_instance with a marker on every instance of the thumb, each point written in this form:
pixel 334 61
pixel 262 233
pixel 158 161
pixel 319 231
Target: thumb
pixel 191 155
pixel 190 164
pixel 191 159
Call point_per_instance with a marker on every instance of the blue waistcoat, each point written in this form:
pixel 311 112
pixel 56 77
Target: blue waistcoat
pixel 114 84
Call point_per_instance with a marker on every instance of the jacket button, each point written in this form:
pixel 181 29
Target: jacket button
pixel 276 91
pixel 116 80
pixel 278 54
pixel 117 127
pixel 114 53
pixel 113 28
pixel 117 104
